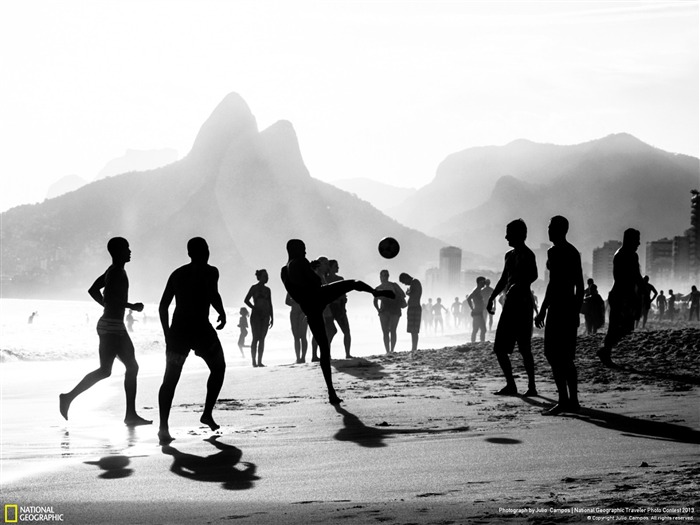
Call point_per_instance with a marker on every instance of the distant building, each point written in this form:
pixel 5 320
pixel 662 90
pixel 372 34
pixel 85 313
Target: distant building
pixel 659 260
pixel 677 261
pixel 431 281
pixel 694 235
pixel 450 266
pixel 681 257
pixel 603 264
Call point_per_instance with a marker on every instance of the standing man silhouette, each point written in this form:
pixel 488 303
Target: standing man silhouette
pixel 486 293
pixel 389 310
pixel 475 300
pixel 414 310
pixel 114 338
pixel 306 288
pixel 515 324
pixel 561 306
pixel 625 297
pixel 195 287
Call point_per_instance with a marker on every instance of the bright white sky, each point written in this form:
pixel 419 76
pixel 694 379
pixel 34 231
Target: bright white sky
pixel 380 89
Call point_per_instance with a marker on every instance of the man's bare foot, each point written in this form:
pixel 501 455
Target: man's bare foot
pixel 333 399
pixel 508 390
pixel 136 420
pixel 164 437
pixel 63 405
pixel 209 421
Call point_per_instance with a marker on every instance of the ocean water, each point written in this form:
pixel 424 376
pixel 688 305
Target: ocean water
pixel 65 330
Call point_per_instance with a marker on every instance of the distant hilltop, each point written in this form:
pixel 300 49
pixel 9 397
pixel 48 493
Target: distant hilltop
pixel 138 160
pixel 603 187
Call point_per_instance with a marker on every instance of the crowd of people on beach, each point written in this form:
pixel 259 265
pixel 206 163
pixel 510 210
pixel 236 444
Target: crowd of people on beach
pixel 317 297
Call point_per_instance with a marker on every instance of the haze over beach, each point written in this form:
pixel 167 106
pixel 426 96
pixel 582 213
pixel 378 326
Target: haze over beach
pixel 252 122
pixel 384 90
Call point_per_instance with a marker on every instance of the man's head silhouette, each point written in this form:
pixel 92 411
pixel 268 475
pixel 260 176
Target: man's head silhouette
pixel 198 250
pixel 296 248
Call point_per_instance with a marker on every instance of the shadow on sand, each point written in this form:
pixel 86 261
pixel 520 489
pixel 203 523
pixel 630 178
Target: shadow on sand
pixel 356 431
pixel 687 379
pixel 114 466
pixel 218 468
pixel 360 368
pixel 629 426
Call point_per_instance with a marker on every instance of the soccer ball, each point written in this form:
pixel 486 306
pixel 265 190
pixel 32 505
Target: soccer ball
pixel 388 247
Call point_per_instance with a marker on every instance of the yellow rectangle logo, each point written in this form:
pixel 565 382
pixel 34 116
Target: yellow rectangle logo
pixel 11 510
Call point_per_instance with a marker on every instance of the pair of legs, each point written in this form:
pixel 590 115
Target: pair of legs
pixel 241 340
pixel 259 325
pixel 331 330
pixel 313 306
pixel 694 311
pixel 389 322
pixel 340 316
pixel 174 361
pixel 413 320
pixel 620 324
pixel 515 326
pixel 566 379
pixel 560 351
pixel 299 327
pixel 112 345
pixel 478 325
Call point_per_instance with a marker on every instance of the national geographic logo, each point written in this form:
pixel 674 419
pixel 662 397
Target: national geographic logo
pixel 20 514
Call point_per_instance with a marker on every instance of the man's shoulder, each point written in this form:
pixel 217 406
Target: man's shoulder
pixel 114 272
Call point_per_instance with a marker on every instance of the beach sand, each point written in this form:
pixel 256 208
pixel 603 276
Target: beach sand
pixel 416 441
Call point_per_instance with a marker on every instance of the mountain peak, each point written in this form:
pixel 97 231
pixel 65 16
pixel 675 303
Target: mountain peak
pixel 231 118
pixel 622 142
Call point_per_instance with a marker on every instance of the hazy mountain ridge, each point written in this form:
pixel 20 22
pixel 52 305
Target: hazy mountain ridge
pixel 65 185
pixel 247 192
pixel 602 186
pixel 382 196
pixel 138 160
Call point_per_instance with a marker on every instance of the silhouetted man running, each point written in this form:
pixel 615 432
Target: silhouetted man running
pixel 114 338
pixel 515 324
pixel 625 298
pixel 561 306
pixel 306 288
pixel 195 288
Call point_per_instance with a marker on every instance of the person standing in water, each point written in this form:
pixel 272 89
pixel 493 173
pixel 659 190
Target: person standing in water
pixel 259 300
pixel 114 338
pixel 243 328
pixel 475 300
